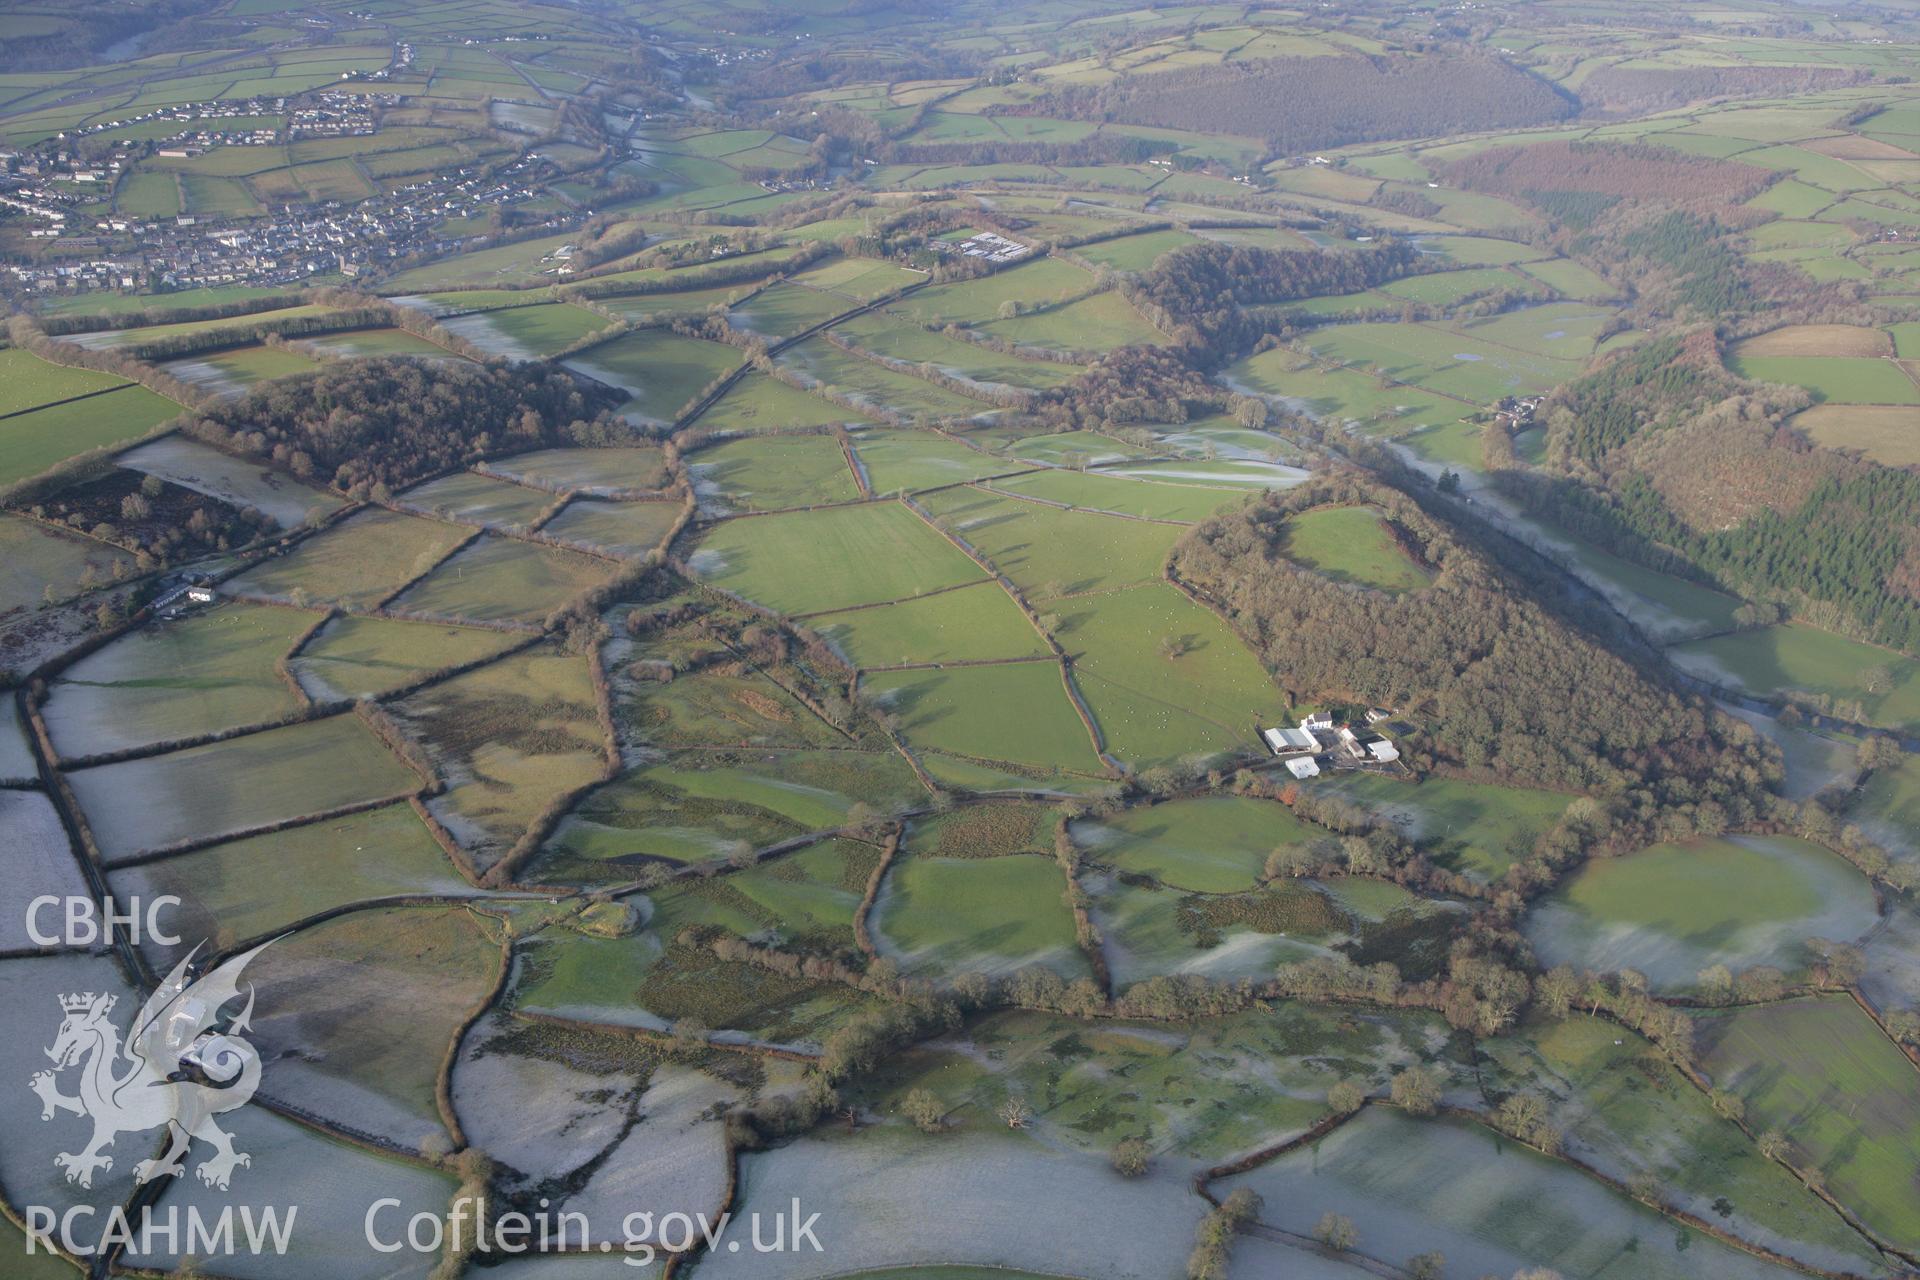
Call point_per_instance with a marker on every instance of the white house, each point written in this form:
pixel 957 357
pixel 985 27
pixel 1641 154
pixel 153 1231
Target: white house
pixel 1318 722
pixel 1303 767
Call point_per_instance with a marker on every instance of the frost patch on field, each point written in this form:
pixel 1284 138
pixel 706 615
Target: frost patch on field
pixel 196 466
pixel 334 1187
pixel 674 1160
pixel 1813 761
pixel 1491 1207
pixel 479 329
pixel 17 763
pixel 35 859
pixel 888 1197
pixel 30 991
pixel 543 1118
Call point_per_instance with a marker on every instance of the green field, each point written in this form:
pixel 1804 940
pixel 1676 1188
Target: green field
pixel 786 309
pixel 526 332
pixel 910 461
pixel 1352 544
pixel 1051 553
pixel 504 580
pixel 1135 253
pixel 819 560
pixel 1666 911
pixel 1165 678
pixel 961 915
pixel 1475 828
pixel 615 528
pixel 38 564
pixel 884 335
pixel 229 373
pixel 973 623
pixel 1840 379
pixel 963 710
pixel 354 657
pixel 1820 1072
pixel 701 806
pixel 609 470
pixel 1793 658
pixel 860 279
pixel 1145 498
pixel 211 671
pixel 39 439
pixel 27 382
pixel 776 472
pixel 1214 845
pixel 237 784
pixel 226 899
pixel 874 386
pixel 759 402
pixel 473 498
pixel 1099 323
pixel 356 562
pixel 660 370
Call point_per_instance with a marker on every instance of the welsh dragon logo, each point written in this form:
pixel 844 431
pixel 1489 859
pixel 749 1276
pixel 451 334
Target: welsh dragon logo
pixel 176 1069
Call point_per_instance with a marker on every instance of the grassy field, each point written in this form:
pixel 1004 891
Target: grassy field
pixel 1099 323
pixel 228 373
pixel 818 560
pixel 527 332
pixel 991 830
pixel 706 805
pixel 380 342
pixel 953 626
pixel 1135 253
pixel 976 302
pixel 586 470
pixel 1049 552
pixel 884 335
pixel 1783 659
pixel 1165 678
pixel 1127 496
pixel 1797 340
pixel 775 472
pixel 410 974
pixel 874 386
pixel 1840 379
pixel 227 900
pixel 1819 1071
pixel 1071 448
pixel 1666 912
pixel 512 736
pixel 1629 1112
pixel 1886 434
pixel 37 564
pixel 504 580
pixel 1352 544
pixel 1218 844
pixel 27 382
pixel 758 402
pixel 616 528
pixel 354 657
pixel 860 279
pixel 236 481
pixel 910 461
pixel 356 562
pixel 960 915
pixel 1474 828
pixel 211 671
pixel 231 786
pixel 963 710
pixel 39 439
pixel 661 370
pixel 787 309
pixel 476 499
